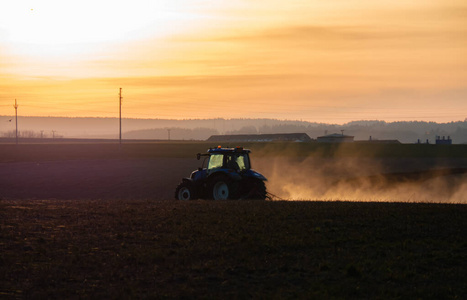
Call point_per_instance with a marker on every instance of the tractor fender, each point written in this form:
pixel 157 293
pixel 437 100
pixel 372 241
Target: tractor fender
pixel 198 175
pixel 253 174
pixel 185 179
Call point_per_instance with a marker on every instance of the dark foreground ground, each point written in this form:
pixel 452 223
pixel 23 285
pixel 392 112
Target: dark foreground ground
pixel 204 249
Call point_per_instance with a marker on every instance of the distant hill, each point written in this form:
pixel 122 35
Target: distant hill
pixel 201 129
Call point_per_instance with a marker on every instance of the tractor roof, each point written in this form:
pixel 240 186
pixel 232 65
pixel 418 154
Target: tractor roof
pixel 219 149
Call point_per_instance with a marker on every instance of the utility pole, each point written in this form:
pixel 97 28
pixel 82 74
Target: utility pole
pixel 16 118
pixel 120 115
pixel 168 131
pixel 53 134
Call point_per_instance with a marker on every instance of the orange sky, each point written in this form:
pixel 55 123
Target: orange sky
pixel 324 61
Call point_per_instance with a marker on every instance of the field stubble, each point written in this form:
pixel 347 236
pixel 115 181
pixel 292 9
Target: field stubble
pixel 233 249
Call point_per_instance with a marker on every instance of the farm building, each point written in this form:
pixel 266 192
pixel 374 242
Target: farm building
pixel 278 137
pixel 444 141
pixel 378 141
pixel 335 138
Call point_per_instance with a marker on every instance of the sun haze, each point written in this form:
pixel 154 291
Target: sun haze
pixel 324 61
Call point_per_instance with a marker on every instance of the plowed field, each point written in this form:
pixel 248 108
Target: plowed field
pixel 87 221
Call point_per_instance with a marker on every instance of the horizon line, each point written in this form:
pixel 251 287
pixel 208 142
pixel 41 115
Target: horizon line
pixel 231 119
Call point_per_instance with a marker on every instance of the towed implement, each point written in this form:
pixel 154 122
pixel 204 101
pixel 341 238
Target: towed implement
pixel 225 174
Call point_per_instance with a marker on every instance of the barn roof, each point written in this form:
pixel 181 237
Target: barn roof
pixel 336 135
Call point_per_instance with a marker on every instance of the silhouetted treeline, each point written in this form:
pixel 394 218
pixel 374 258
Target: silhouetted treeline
pixel 30 134
pixel 405 132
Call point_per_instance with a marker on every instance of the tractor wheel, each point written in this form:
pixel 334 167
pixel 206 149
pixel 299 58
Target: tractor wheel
pixel 221 188
pixel 184 191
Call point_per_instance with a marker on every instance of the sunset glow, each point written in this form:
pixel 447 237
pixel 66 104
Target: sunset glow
pixel 331 61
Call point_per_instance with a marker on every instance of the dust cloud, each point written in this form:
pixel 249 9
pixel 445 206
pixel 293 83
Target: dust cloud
pixel 315 177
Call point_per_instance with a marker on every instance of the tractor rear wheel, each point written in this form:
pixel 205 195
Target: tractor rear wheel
pixel 221 188
pixel 257 190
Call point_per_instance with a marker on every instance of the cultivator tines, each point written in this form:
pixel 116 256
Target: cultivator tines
pixel 272 197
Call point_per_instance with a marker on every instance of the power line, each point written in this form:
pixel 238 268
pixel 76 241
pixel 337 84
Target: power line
pixel 16 117
pixel 120 115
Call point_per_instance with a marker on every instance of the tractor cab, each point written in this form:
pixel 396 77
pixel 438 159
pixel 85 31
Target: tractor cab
pixel 228 158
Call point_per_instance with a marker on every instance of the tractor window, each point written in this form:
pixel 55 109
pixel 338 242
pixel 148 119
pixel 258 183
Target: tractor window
pixel 215 161
pixel 243 163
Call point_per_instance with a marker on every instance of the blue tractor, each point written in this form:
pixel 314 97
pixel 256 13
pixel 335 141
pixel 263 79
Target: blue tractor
pixel 225 174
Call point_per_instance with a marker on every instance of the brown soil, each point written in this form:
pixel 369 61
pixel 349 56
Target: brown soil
pixel 73 249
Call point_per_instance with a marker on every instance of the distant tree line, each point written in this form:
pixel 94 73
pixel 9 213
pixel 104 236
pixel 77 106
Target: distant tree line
pixel 30 134
pixel 406 132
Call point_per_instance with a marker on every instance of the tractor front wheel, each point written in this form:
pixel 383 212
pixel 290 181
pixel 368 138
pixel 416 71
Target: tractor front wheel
pixel 184 191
